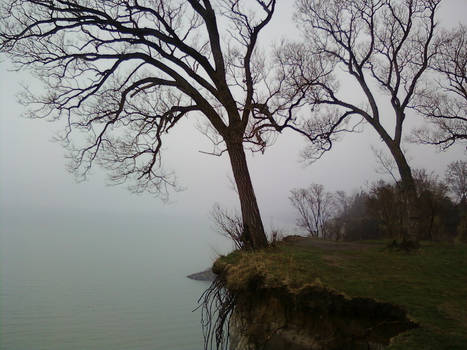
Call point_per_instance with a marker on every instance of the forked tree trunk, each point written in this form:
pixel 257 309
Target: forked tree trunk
pixel 253 226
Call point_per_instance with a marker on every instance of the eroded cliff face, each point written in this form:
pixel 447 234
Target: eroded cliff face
pixel 272 315
pixel 312 318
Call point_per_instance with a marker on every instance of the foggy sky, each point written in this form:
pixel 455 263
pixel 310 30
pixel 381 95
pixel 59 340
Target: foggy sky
pixel 36 192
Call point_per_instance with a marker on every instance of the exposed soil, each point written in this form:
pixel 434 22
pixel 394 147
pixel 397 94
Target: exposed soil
pixel 313 318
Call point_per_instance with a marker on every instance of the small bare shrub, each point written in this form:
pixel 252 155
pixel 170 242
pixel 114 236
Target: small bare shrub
pixel 230 225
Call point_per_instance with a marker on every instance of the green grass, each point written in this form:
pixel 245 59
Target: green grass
pixel 431 283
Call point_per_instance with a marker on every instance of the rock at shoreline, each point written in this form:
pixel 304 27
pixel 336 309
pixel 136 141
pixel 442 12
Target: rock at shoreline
pixel 206 275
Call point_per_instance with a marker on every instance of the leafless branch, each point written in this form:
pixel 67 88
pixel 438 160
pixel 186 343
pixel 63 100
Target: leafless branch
pixel 444 104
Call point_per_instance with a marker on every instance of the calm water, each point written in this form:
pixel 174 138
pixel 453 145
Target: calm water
pixel 89 290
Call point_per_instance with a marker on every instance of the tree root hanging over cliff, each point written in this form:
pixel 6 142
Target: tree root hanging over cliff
pixel 216 304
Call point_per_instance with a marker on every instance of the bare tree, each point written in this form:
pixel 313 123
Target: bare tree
pixel 230 226
pixel 444 104
pixel 385 205
pixel 456 180
pixel 299 199
pixel 123 73
pixel 336 226
pixel 385 164
pixel 382 46
pixel 315 207
pixel 433 197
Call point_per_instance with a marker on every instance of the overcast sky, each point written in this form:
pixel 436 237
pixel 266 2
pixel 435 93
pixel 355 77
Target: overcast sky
pixel 36 192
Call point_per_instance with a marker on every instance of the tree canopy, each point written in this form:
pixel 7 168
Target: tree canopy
pixel 391 51
pixel 444 103
pixel 123 73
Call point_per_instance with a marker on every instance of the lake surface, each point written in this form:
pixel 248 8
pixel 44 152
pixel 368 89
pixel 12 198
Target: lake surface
pixel 108 288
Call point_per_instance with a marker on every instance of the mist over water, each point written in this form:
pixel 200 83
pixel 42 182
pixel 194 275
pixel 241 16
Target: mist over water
pixel 102 281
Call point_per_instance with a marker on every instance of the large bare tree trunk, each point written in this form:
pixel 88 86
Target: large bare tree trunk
pixel 409 195
pixel 253 226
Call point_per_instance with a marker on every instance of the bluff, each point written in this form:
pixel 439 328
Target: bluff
pixel 320 295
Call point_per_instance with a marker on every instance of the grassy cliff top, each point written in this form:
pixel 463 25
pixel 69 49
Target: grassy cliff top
pixel 431 283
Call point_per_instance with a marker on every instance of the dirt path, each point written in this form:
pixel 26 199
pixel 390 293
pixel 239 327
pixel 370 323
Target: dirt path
pixel 322 244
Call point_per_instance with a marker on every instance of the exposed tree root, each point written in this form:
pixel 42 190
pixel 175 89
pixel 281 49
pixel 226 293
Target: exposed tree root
pixel 216 304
